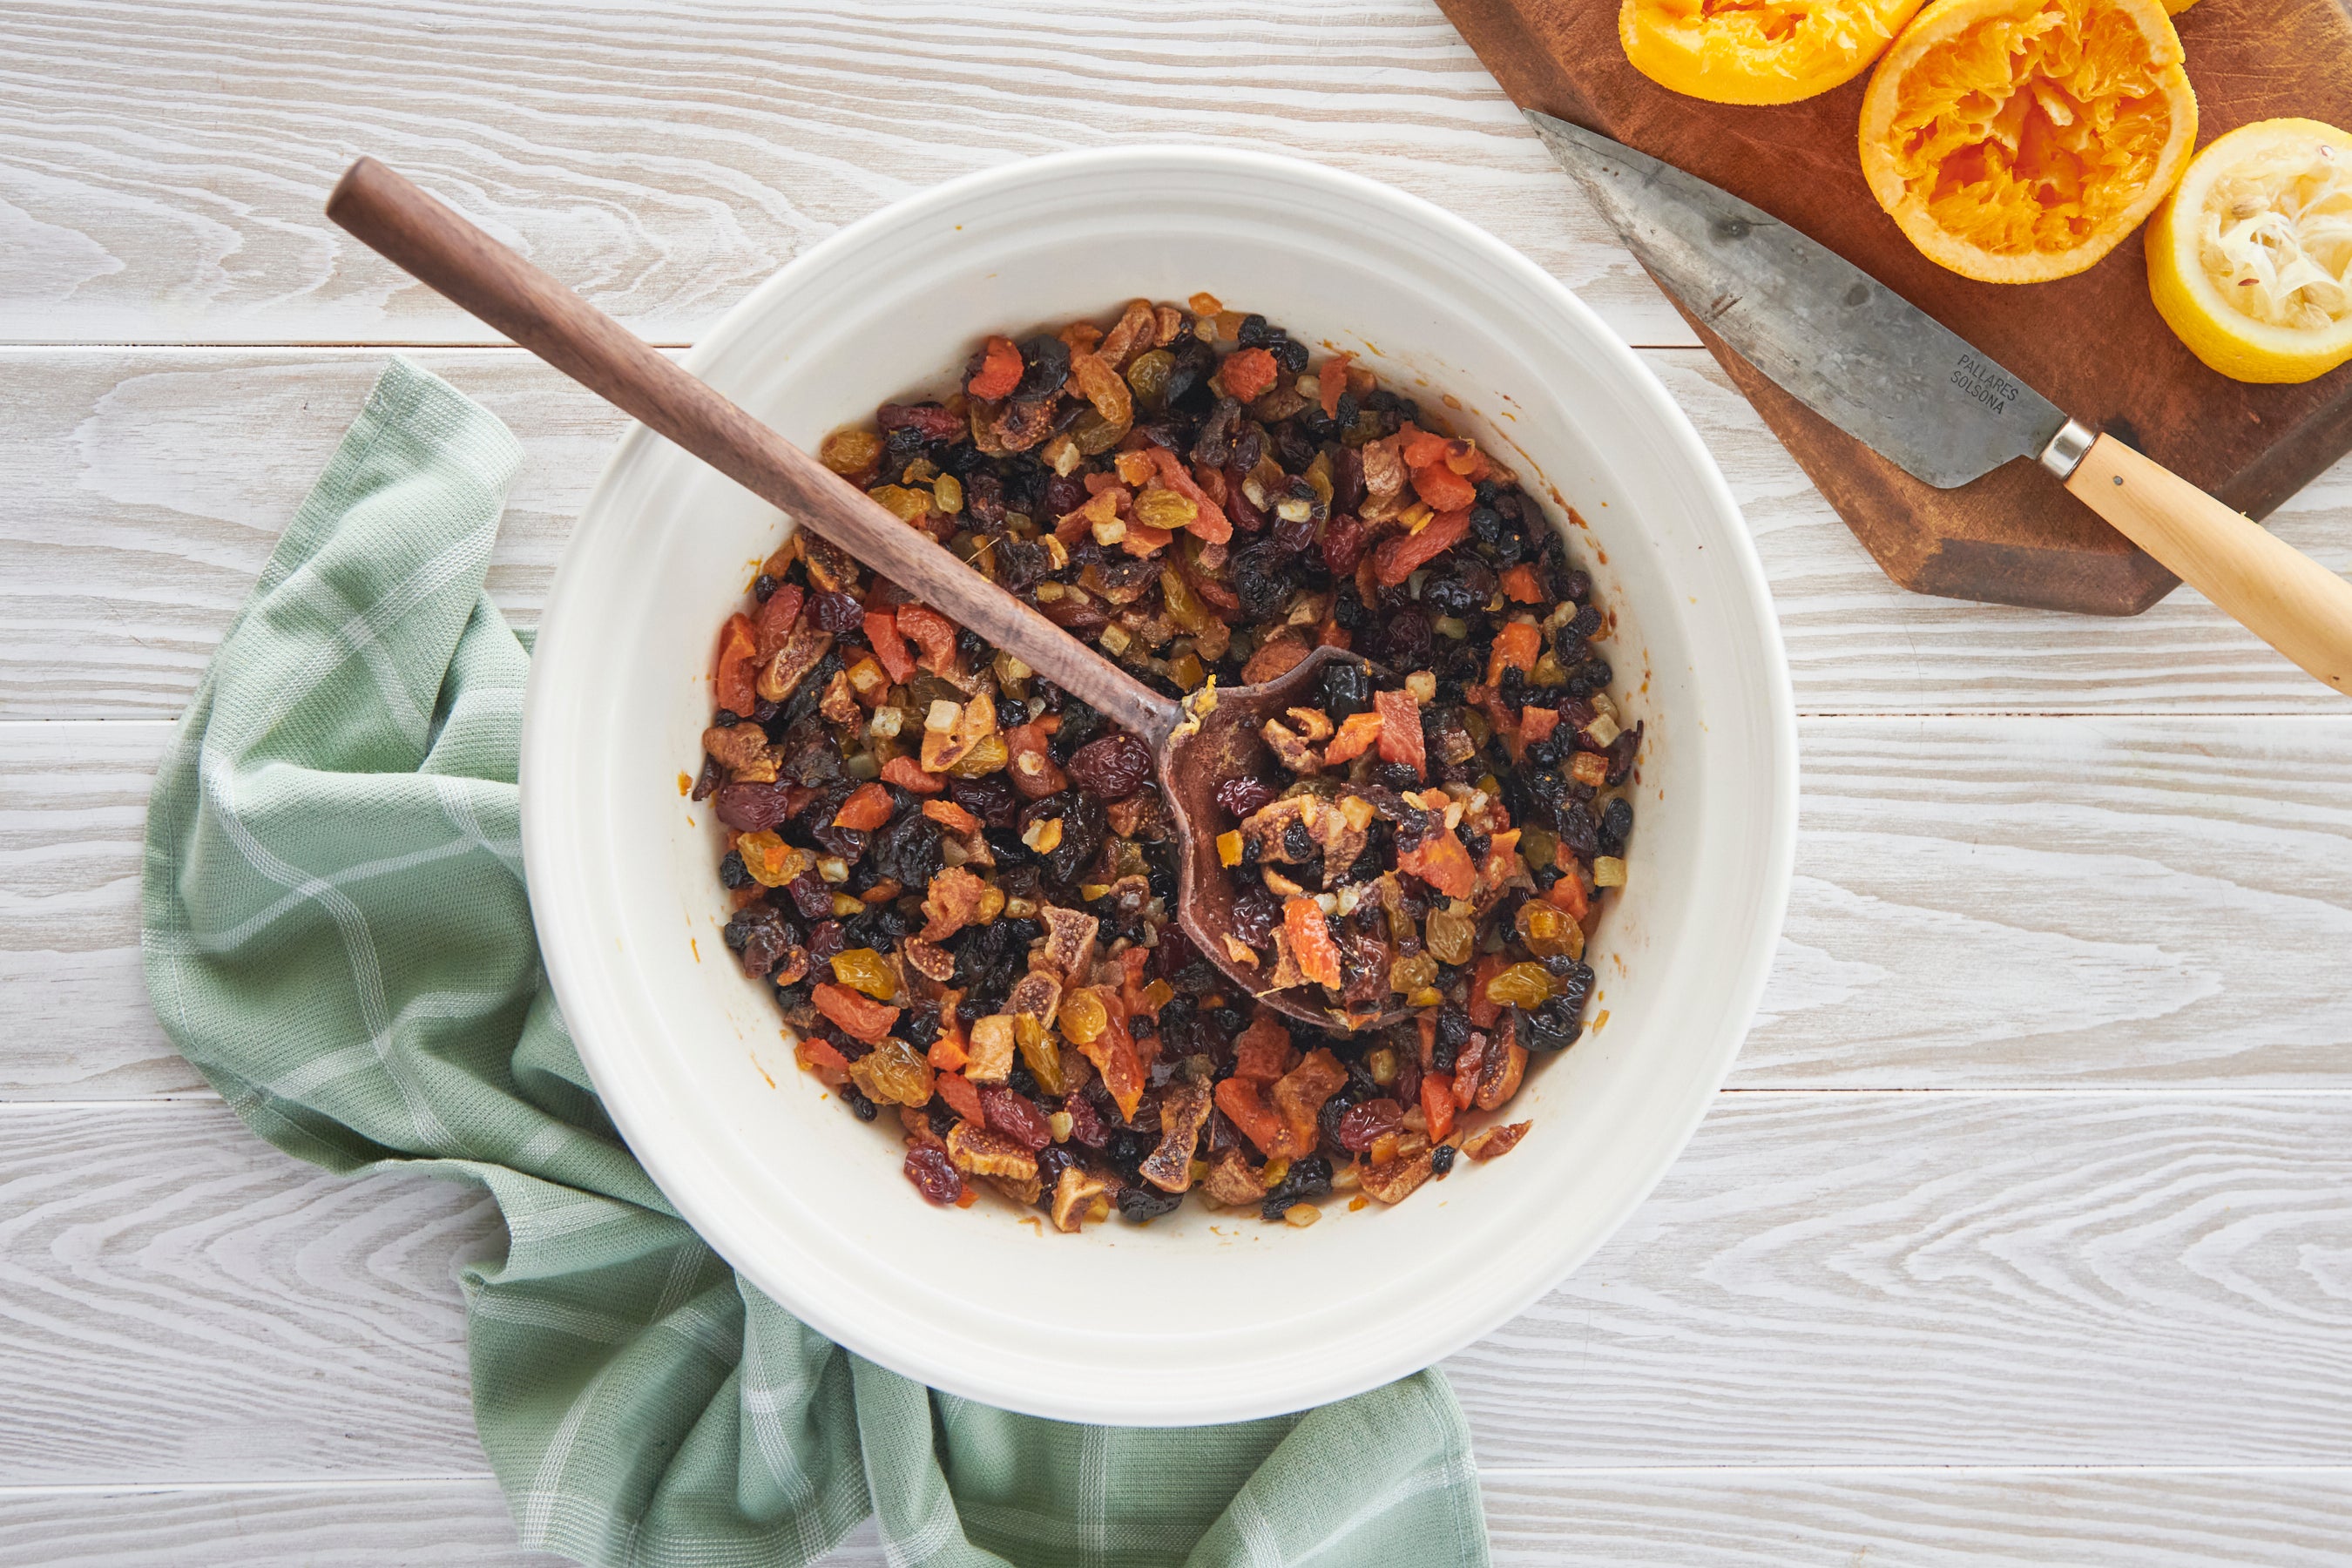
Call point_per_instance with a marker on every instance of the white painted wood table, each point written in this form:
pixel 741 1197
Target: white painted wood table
pixel 2022 1233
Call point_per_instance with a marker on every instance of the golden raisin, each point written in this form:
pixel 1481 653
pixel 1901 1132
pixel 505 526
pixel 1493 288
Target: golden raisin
pixel 850 451
pixel 905 505
pixel 1450 936
pixel 1545 929
pixel 867 971
pixel 986 757
pixel 1165 509
pixel 1411 974
pixel 1084 1017
pixel 1520 985
pixel 768 857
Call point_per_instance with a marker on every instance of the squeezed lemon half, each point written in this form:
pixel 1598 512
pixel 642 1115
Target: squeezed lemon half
pixel 2250 262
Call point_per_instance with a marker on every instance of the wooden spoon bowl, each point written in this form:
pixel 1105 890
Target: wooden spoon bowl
pixel 1226 744
pixel 479 275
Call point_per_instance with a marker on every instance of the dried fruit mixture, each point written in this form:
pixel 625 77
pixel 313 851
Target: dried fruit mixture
pixel 960 879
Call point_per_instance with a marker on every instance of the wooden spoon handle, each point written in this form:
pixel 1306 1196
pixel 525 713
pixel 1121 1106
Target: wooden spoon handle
pixel 483 277
pixel 2268 586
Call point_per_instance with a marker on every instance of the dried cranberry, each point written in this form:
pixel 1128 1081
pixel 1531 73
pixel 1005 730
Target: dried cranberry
pixel 1111 768
pixel 1015 1116
pixel 928 420
pixel 1244 794
pixel 933 1173
pixel 1359 1125
pixel 836 613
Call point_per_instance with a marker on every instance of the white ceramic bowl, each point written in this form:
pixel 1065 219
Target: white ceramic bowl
pixel 1198 1317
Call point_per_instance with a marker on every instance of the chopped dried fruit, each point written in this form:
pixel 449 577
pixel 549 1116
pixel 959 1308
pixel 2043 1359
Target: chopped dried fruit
pixel 858 1016
pixel 1311 947
pixel 1494 1143
pixel 1101 473
pixel 999 371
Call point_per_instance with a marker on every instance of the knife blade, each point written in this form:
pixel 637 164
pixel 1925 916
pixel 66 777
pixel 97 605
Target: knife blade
pixel 1918 394
pixel 1852 349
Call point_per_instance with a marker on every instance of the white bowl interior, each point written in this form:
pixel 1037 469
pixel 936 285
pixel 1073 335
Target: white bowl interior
pixel 1197 1317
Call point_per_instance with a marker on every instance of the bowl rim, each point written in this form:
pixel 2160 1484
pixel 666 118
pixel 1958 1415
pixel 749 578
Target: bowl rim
pixel 569 973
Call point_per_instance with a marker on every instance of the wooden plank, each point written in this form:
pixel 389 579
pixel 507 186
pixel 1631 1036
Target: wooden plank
pixel 1955 1518
pixel 2116 1279
pixel 141 490
pixel 449 1523
pixel 1662 1519
pixel 1864 1279
pixel 73 808
pixel 1979 902
pixel 161 168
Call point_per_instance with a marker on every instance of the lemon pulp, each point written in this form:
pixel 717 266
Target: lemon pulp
pixel 2250 262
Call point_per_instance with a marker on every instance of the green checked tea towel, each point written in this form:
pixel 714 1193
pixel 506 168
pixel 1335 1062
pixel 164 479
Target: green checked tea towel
pixel 336 932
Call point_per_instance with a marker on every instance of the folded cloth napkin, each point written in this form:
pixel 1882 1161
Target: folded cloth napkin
pixel 336 932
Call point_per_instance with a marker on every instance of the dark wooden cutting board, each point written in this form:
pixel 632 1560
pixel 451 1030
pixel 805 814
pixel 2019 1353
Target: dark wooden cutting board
pixel 2093 344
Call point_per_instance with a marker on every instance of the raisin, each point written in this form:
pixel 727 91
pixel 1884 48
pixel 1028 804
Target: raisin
pixel 1360 1125
pixel 1261 579
pixel 1045 366
pixel 1616 826
pixel 910 851
pixel 825 938
pixel 1346 690
pixel 1244 794
pixel 1404 638
pixel 1440 1160
pixel 1254 916
pixel 1140 1205
pixel 836 613
pixel 1621 755
pixel 933 1173
pixel 731 873
pixel 1343 546
pixel 1016 1117
pixel 991 799
pixel 1110 768
pixel 763 587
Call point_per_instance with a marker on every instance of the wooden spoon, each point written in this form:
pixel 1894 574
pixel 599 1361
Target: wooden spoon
pixel 1198 744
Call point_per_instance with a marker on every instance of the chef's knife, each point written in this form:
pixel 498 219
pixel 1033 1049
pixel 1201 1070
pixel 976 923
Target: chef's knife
pixel 1900 381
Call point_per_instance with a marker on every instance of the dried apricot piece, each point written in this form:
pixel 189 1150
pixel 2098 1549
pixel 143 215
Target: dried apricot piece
pixel 1249 372
pixel 999 372
pixel 1311 947
pixel 868 808
pixel 736 669
pixel 1357 734
pixel 1399 556
pixel 1400 737
pixel 1441 860
pixel 860 1017
pixel 882 631
pixel 909 775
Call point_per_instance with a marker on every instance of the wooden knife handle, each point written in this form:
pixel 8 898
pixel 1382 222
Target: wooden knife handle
pixel 2268 586
pixel 477 274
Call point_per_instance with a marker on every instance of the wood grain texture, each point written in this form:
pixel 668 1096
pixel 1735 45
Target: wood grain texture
pixel 183 1302
pixel 1660 1519
pixel 1861 1279
pixel 444 1523
pixel 1978 903
pixel 2011 537
pixel 162 165
pixel 73 807
pixel 141 490
pixel 2080 1279
pixel 1953 1519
